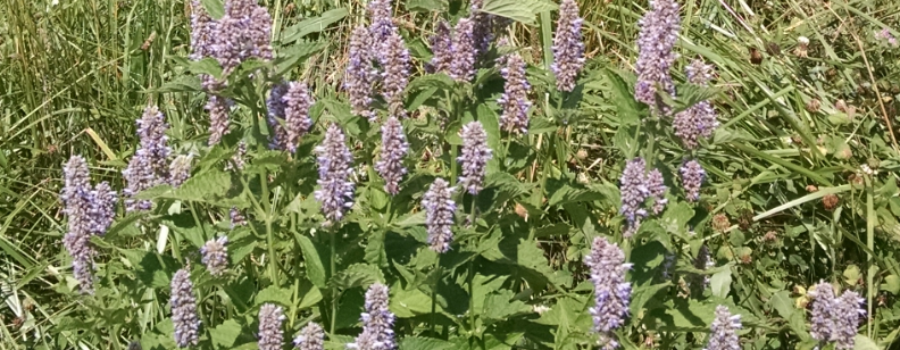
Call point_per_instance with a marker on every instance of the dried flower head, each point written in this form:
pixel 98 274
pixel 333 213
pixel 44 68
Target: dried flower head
pixel 180 169
pixel 724 331
pixel 184 310
pixel 440 215
pixel 514 100
pixel 335 159
pixel 658 34
pixel 473 157
pixel 215 255
pixel 692 177
pixel 568 49
pixel 360 75
pixel 378 321
pixel 441 48
pixel 271 337
pixel 311 337
pixel 297 101
pixel 394 149
pixel 611 292
pixel 698 121
pixel 395 62
pixel 218 108
pixel 462 68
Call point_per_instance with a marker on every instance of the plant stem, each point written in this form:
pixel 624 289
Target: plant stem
pixel 437 282
pixel 334 296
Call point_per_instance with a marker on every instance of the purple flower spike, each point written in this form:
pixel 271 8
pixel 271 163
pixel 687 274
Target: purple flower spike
pixel 698 121
pixel 634 192
pixel 463 66
pixel 611 293
pixel 311 337
pixel 568 49
pixel 658 34
pixel 271 337
pixel 657 191
pixel 359 76
pixel 103 208
pixel 184 310
pixel 275 106
pixel 218 108
pixel 180 170
pixel 848 310
pixel 381 20
pixel 440 215
pixel 243 33
pixel 297 101
pixel 395 62
pixel 334 158
pixel 482 31
pixel 378 322
pixel 394 149
pixel 724 331
pixel 215 255
pixel 514 100
pixel 692 177
pixel 149 166
pixel 474 157
pixel 76 198
pixel 821 321
pixel 441 47
pixel 203 29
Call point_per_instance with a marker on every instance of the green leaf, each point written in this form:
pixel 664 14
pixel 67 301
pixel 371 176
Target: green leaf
pixel 309 295
pixel 314 25
pixel 783 303
pixel 357 275
pixel 721 283
pixel 225 334
pixel 273 294
pixel 500 306
pixel 891 284
pixel 215 8
pixel 520 10
pixel 289 57
pixel 862 342
pixel 184 83
pixel 315 269
pixel 424 5
pixel 409 303
pixel 422 343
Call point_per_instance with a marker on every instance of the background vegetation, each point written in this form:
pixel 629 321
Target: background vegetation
pixel 803 182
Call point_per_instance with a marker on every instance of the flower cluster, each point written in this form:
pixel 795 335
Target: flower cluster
pixel 218 108
pixel 311 337
pixel 657 189
pixel 482 30
pixel 271 337
pixel 885 34
pixel 692 177
pixel 237 160
pixel 395 62
pixel 149 165
pixel 440 211
pixel 297 101
pixel 215 255
pixel 441 47
pixel 237 218
pixel 462 66
pixel 835 319
pixel 243 33
pixel 381 24
pixel 656 40
pixel 335 159
pixel 724 331
pixel 611 293
pixel 473 157
pixel 184 310
pixel 703 261
pixel 393 149
pixel 698 121
pixel 568 49
pixel 378 321
pixel 514 100
pixel 203 29
pixel 180 169
pixel 359 75
pixel 275 105
pixel 636 187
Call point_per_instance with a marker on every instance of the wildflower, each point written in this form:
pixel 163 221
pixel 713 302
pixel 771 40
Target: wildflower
pixel 311 337
pixel 502 43
pixel 611 293
pixel 847 311
pixel 215 255
pixel 474 157
pixel 103 208
pixel 237 160
pixel 802 46
pixel 243 33
pixel 395 61
pixel 149 165
pixel 821 321
pixel 381 24
pixel 698 121
pixel 359 75
pixel 393 149
pixel 724 327
pixel 275 106
pixel 462 68
pixel 568 49
pixel 657 191
pixel 180 170
pixel 692 177
pixel 439 215
pixel 377 333
pixel 885 34
pixel 184 310
pixel 658 34
pixel 203 29
pixel 441 47
pixel 634 192
pixel 297 101
pixel 514 100
pixel 481 31
pixel 237 219
pixel 76 197
pixel 334 158
pixel 271 336
pixel 218 108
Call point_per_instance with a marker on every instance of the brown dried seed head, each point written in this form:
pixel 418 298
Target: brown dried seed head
pixel 830 201
pixel 521 211
pixel 812 188
pixel 720 222
pixel 755 56
pixel 813 105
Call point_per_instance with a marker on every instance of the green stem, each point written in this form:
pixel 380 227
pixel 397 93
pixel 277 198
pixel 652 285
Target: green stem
pixel 334 297
pixel 437 282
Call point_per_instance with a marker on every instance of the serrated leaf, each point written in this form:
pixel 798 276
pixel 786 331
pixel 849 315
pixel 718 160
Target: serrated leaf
pixel 315 269
pixel 357 275
pixel 409 303
pixel 422 343
pixel 184 83
pixel 862 342
pixel 519 10
pixel 314 25
pixel 783 303
pixel 309 295
pixel 225 334
pixel 273 294
pixel 721 283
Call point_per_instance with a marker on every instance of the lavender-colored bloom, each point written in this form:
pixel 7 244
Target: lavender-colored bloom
pixel 237 160
pixel 334 158
pixel 821 321
pixel 271 337
pixel 702 261
pixel 378 321
pixel 481 32
pixel 502 43
pixel 311 337
pixel 611 293
pixel 243 33
pixel 885 34
pixel 568 49
pixel 215 255
pixel 698 121
pixel 138 177
pixel 297 101
pixel 218 108
pixel 657 191
pixel 464 52
pixel 692 177
pixel 381 24
pixel 103 208
pixel 474 157
pixel 724 331
pixel 359 76
pixel 77 200
pixel 393 149
pixel 847 311
pixel 184 310
pixel 275 106
pixel 203 29
pixel 149 166
pixel 514 100
pixel 658 34
pixel 441 47
pixel 395 61
pixel 180 170
pixel 440 215
pixel 634 192
pixel 237 218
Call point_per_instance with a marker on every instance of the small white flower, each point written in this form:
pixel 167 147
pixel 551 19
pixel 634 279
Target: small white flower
pixel 803 40
pixel 541 309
